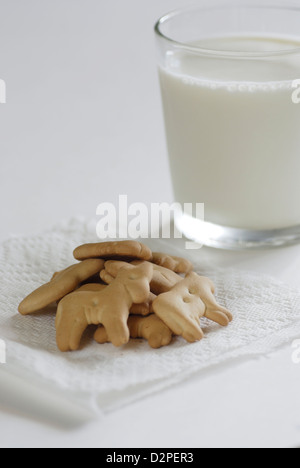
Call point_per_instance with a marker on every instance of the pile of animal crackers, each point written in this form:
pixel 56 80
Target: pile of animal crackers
pixel 129 292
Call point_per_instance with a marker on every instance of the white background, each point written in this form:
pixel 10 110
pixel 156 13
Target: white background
pixel 83 124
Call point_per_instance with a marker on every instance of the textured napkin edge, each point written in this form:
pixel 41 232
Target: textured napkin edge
pixel 97 403
pixel 232 358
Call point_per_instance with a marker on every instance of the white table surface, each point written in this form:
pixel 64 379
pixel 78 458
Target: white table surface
pixel 83 124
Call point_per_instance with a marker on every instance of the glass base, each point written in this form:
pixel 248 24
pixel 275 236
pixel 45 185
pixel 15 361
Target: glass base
pixel 221 237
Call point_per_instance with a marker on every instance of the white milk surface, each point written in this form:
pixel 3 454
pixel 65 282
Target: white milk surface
pixel 233 132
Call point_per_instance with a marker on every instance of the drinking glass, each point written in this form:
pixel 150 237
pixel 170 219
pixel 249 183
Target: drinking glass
pixel 230 84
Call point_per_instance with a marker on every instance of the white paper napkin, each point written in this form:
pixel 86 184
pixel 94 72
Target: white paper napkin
pixel 266 315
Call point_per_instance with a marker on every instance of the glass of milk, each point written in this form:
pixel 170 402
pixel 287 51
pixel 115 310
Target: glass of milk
pixel 230 82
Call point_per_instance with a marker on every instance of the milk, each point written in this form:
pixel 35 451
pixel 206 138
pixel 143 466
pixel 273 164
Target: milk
pixel 233 133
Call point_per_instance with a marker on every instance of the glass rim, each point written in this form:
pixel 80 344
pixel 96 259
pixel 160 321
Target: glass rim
pixel 214 5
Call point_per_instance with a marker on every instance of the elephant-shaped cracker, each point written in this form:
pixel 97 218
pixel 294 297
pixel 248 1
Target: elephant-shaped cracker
pixel 182 307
